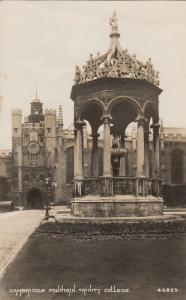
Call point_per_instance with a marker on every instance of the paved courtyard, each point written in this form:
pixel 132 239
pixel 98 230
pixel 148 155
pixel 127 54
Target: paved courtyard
pixel 15 228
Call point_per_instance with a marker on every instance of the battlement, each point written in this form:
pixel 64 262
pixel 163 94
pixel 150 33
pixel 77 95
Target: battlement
pixel 50 112
pixel 68 133
pixel 5 153
pixel 17 112
pixel 32 125
pixel 176 134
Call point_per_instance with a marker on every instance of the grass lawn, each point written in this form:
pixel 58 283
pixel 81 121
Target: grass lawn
pixel 141 265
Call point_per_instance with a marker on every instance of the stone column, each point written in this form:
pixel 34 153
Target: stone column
pixel 78 150
pixel 122 166
pixel 106 148
pixel 133 139
pixel 140 146
pixel 146 152
pixel 133 153
pixel 156 143
pixel 162 143
pixel 78 158
pixel 95 153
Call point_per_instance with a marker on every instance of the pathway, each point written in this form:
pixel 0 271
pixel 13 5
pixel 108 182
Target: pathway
pixel 15 228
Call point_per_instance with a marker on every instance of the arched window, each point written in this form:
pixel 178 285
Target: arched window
pixel 69 164
pixel 177 166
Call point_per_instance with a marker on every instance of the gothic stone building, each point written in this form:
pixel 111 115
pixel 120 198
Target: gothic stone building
pixel 5 175
pixel 42 160
pixel 37 156
pixel 41 163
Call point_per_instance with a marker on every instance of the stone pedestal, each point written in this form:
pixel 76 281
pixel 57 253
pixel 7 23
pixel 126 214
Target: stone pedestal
pixel 117 206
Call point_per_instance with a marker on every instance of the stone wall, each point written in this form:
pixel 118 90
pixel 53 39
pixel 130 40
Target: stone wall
pixel 5 177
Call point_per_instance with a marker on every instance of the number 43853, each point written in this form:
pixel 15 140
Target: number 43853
pixel 167 290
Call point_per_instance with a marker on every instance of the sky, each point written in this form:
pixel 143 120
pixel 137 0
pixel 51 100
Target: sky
pixel 43 41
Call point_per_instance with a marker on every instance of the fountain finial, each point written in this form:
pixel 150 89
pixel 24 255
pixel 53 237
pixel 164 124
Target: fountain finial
pixel 114 23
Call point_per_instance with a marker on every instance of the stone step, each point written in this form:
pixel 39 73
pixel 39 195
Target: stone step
pixel 60 212
pixel 175 209
pixel 64 210
pixel 105 220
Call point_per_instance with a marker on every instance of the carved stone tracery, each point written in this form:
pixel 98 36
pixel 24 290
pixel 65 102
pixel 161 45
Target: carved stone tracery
pixel 116 63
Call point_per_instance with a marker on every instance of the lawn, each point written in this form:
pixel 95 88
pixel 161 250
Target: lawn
pixel 111 268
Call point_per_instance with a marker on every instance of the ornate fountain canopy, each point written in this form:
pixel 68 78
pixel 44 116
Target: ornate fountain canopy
pixel 116 62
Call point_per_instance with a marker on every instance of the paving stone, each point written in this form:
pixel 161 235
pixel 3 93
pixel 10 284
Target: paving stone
pixel 15 228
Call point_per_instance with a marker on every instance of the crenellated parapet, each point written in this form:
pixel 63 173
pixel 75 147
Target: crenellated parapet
pixel 68 133
pixel 174 134
pixel 50 112
pixel 17 112
pixel 32 126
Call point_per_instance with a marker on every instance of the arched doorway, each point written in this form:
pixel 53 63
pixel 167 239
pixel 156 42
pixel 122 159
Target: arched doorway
pixel 35 199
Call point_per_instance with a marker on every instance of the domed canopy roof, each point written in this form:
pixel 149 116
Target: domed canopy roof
pixel 116 63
